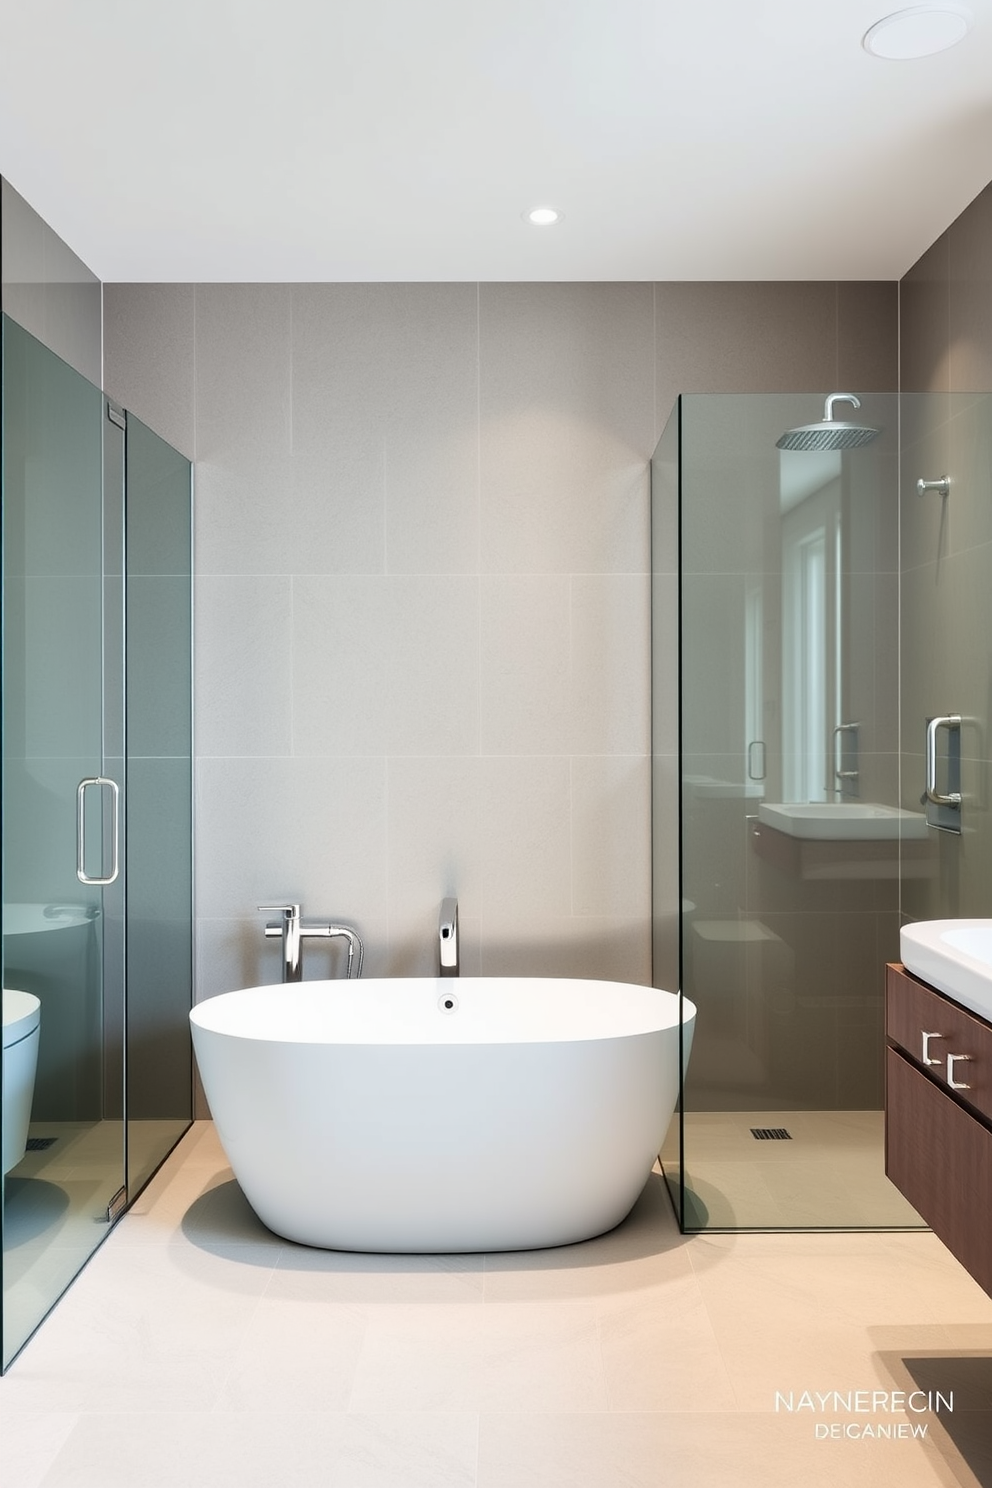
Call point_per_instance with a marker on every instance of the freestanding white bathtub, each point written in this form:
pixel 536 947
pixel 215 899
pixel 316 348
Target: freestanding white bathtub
pixel 427 1115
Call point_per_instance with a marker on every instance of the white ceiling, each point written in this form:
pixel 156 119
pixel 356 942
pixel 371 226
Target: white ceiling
pixel 402 139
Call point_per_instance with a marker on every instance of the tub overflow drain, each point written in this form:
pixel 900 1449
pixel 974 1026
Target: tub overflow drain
pixel 447 1003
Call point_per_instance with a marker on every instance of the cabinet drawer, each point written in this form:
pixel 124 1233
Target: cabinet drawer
pixel 913 1009
pixel 940 1159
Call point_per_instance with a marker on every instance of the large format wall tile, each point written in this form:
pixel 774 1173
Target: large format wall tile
pixel 159 389
pixel 867 340
pixel 743 338
pixel 924 351
pixel 969 306
pixel 291 830
pixel 385 665
pixel 244 390
pixel 566 426
pixel 423 566
pixel 243 679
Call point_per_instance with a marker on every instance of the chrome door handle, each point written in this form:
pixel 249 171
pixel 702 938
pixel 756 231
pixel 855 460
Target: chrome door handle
pixel 948 721
pixel 956 1084
pixel 839 774
pixel 81 874
pixel 926 1037
pixel 752 773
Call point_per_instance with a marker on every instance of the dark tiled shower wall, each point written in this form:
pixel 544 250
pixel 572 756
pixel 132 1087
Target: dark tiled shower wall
pixel 946 547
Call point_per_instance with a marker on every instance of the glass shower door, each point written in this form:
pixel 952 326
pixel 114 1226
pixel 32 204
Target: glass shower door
pixel 63 906
pixel 159 682
pixel 791 823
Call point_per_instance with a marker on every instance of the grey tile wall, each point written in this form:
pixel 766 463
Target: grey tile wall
pixel 946 547
pixel 423 595
pixel 47 288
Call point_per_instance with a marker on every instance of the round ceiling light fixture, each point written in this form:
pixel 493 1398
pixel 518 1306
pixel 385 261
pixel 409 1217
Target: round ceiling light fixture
pixel 919 31
pixel 542 216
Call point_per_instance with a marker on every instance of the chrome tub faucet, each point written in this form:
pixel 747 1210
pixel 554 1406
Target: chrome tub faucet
pixel 293 931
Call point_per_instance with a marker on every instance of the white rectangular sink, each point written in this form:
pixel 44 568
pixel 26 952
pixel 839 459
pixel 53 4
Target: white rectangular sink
pixel 843 821
pixel 710 788
pixel 955 956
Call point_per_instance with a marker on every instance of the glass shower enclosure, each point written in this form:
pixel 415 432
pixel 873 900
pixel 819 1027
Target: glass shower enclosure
pixel 97 828
pixel 784 613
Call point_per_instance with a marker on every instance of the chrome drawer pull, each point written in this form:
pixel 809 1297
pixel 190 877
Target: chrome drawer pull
pixel 926 1037
pixel 955 1084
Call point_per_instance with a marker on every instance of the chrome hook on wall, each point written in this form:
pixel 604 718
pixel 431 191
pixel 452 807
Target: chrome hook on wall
pixel 942 486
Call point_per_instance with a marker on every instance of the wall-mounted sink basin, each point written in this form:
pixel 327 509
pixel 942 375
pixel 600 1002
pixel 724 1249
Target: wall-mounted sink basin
pixel 843 821
pixel 708 787
pixel 955 956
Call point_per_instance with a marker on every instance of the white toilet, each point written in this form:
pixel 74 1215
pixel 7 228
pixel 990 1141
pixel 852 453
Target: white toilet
pixel 21 1032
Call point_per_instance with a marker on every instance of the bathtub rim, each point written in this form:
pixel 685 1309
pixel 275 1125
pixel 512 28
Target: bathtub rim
pixel 215 1015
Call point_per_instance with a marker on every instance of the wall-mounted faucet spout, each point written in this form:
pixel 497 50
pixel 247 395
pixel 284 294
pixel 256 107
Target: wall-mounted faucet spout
pixel 293 930
pixel 289 929
pixel 447 934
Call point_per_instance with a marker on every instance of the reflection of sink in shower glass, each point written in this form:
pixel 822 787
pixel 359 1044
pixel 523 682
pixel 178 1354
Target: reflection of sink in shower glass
pixel 843 821
pixel 33 919
pixel 709 788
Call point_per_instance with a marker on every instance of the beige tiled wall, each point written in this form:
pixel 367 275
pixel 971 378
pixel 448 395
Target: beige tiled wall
pixel 423 593
pixel 946 578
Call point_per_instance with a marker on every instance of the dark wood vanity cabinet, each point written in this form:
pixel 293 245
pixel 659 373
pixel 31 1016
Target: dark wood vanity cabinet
pixel 938 1116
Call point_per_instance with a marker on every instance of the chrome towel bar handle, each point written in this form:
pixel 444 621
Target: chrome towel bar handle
pixel 947 721
pixel 81 789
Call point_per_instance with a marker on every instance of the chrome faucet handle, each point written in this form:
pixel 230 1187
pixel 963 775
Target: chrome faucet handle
pixel 288 930
pixel 289 913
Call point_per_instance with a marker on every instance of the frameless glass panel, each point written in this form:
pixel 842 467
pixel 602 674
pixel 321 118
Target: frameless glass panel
pixel 63 1138
pixel 665 726
pixel 159 799
pixel 945 623
pixel 791 819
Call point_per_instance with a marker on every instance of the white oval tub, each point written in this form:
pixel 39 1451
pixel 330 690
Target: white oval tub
pixel 367 1116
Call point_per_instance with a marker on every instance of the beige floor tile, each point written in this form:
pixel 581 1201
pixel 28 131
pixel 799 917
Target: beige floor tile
pixel 660 1353
pixel 880 1290
pixel 513 1356
pixel 540 1357
pixel 29 1443
pixel 374 1280
pixel 294 1358
pixel 408 1450
pixel 420 1359
pixel 171 1449
pixel 198 1349
pixel 794 1323
pixel 139 1328
pixel 200 1205
pixel 645 1251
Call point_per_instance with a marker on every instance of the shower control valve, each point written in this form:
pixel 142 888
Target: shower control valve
pixel 941 486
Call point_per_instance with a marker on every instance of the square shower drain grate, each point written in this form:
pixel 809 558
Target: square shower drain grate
pixel 40 1144
pixel 771 1134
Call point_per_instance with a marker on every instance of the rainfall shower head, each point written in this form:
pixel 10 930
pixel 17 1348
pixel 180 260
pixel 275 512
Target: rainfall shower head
pixel 829 434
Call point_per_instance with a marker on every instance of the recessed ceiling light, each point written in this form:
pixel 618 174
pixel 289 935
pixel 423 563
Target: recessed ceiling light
pixel 918 32
pixel 542 216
